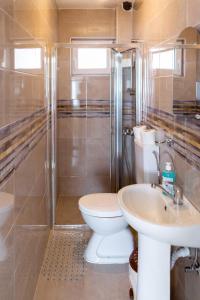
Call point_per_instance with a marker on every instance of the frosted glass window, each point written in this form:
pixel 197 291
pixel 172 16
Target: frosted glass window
pixel 164 60
pixel 92 58
pixel 28 58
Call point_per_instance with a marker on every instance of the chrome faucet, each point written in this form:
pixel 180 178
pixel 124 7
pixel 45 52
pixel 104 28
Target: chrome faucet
pixel 177 197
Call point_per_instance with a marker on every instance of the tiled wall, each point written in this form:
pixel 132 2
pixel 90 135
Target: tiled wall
pixel 83 118
pixel 162 21
pixel 86 23
pixel 24 145
pixel 84 140
pixel 123 25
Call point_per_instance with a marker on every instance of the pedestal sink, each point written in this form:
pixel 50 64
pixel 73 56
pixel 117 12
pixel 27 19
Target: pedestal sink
pixel 159 223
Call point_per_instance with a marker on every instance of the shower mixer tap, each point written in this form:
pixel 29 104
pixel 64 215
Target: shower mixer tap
pixel 132 92
pixel 127 131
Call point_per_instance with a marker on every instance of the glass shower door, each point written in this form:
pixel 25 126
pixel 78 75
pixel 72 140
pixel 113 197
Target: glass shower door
pixel 123 117
pixel 92 117
pixel 82 129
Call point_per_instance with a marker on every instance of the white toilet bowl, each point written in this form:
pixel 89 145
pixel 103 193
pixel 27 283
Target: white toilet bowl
pixel 112 241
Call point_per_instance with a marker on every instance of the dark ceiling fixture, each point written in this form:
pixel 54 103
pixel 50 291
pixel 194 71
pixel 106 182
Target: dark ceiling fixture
pixel 127 5
pixel 131 5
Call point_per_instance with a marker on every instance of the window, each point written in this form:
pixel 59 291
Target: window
pixel 92 61
pixel 163 60
pixel 179 59
pixel 28 58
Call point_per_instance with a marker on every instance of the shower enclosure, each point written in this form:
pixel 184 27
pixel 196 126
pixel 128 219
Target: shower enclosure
pixel 96 101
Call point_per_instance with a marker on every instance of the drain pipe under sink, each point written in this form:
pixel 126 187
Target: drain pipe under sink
pixel 180 252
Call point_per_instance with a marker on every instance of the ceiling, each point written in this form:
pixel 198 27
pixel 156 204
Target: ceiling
pixel 62 4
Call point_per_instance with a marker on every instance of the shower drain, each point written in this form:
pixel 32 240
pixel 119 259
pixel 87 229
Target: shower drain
pixel 64 255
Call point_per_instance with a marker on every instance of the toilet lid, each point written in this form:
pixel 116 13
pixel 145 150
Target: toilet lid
pixel 6 202
pixel 100 205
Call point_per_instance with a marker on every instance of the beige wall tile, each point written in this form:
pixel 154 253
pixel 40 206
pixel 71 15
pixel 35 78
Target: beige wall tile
pixel 72 128
pixel 21 94
pixel 193 12
pixel 98 157
pixel 166 94
pixel 98 128
pixel 79 186
pixel 7 6
pixel 98 88
pixel 123 25
pixel 85 23
pixel 71 157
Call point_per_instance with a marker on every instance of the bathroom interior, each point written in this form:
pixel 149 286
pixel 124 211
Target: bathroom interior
pixel 100 101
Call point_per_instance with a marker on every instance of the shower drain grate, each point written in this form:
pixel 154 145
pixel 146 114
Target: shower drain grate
pixel 64 255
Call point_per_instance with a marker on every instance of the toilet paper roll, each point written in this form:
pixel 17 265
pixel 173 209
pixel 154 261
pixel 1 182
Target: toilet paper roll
pixel 148 136
pixel 138 132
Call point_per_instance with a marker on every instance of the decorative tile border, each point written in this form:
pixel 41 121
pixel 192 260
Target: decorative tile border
pixel 92 108
pixel 18 139
pixel 186 107
pixel 83 108
pixel 185 132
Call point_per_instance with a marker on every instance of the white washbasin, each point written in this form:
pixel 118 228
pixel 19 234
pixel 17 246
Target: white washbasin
pixel 150 212
pixel 160 223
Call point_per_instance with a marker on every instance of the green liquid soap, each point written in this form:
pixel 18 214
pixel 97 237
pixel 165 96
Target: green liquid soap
pixel 168 179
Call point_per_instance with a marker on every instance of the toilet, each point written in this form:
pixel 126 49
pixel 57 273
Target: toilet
pixel 111 241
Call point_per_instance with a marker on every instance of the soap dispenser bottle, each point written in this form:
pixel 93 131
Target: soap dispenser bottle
pixel 168 178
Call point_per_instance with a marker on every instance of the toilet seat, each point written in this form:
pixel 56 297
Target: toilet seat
pixel 103 205
pixel 111 241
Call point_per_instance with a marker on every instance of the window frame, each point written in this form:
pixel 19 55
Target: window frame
pixel 28 69
pixel 160 53
pixel 96 71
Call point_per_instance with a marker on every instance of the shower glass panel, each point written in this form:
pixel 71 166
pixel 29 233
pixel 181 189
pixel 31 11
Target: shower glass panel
pixel 89 112
pixel 83 130
pixel 123 117
pixel 128 116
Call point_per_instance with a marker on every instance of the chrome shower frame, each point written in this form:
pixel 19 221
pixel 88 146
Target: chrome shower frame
pixel 118 48
pixel 117 161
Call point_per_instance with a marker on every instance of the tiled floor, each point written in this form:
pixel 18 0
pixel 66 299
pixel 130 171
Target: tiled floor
pixel 77 280
pixel 67 212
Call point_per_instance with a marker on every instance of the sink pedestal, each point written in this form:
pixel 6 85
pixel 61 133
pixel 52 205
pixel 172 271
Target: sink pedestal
pixel 153 269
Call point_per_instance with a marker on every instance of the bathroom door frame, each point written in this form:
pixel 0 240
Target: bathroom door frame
pixel 138 48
